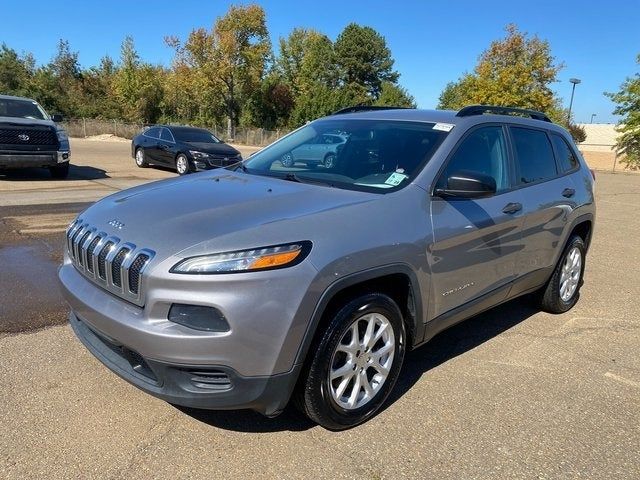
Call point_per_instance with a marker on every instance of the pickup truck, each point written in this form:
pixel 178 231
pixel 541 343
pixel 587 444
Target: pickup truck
pixel 29 137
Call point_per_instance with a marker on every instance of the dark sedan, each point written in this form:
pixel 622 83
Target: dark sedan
pixel 187 149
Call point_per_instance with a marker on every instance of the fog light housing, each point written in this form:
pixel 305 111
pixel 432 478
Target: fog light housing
pixel 201 165
pixel 198 317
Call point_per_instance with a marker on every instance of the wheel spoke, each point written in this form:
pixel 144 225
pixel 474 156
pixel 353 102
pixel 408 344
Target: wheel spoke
pixel 343 385
pixel 368 334
pixel 368 389
pixel 355 391
pixel 345 370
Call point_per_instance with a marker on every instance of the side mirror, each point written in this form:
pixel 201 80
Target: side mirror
pixel 467 184
pixel 56 117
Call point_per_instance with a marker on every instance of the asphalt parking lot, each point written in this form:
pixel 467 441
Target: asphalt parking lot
pixel 512 393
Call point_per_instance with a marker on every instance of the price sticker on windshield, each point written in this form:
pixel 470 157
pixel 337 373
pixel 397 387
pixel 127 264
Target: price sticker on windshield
pixel 443 127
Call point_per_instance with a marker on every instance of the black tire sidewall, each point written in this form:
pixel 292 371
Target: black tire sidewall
pixel 329 413
pixel 144 159
pixel 552 301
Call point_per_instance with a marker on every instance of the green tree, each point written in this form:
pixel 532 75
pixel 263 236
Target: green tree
pixel 394 96
pixel 16 71
pixel 364 59
pixel 628 107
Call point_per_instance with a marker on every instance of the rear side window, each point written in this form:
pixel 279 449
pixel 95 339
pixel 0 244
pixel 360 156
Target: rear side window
pixel 152 133
pixel 484 151
pixel 166 135
pixel 567 158
pixel 534 156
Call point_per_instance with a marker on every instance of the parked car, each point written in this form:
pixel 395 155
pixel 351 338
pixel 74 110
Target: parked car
pixel 187 149
pixel 29 137
pixel 244 288
pixel 320 150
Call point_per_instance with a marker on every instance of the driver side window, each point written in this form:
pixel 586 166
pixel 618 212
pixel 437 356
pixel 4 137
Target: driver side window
pixel 484 151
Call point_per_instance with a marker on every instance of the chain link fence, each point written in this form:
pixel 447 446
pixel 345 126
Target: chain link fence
pixel 86 127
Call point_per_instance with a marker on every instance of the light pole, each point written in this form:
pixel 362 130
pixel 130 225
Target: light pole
pixel 592 115
pixel 575 81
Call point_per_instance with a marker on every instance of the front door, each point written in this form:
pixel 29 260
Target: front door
pixel 476 241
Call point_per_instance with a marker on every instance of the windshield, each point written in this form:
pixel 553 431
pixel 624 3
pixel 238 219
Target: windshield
pixel 370 155
pixel 11 107
pixel 194 136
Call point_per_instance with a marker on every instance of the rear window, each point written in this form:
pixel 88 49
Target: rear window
pixel 566 157
pixel 534 155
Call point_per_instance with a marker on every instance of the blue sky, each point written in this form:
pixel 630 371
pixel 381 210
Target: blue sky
pixel 433 42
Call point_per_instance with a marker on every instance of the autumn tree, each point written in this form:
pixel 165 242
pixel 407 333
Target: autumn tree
pixel 516 71
pixel 627 101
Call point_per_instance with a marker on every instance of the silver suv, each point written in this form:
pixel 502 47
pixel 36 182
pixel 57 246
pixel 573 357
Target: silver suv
pixel 276 282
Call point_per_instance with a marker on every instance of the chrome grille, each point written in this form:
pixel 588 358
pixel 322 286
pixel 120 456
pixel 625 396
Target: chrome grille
pixel 115 265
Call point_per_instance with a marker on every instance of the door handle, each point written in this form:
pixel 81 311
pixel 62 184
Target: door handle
pixel 568 192
pixel 512 207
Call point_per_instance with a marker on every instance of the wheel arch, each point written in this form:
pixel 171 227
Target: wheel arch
pixel 399 282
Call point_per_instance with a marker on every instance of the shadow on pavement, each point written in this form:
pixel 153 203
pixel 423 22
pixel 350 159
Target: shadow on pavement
pixel 447 345
pixel 76 172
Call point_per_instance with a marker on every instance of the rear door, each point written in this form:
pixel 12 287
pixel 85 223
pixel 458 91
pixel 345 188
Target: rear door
pixel 548 199
pixel 476 241
pixel 166 147
pixel 151 142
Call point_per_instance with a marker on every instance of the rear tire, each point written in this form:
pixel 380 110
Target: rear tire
pixel 60 171
pixel 563 288
pixel 355 364
pixel 141 160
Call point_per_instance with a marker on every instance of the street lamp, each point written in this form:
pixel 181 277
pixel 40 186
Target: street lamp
pixel 592 115
pixel 575 81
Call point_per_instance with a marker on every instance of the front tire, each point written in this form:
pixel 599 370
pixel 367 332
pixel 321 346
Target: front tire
pixel 182 164
pixel 60 171
pixel 355 364
pixel 329 161
pixel 563 288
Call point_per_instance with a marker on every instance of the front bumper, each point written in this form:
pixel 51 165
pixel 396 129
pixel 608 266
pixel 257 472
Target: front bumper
pixel 22 159
pixel 210 387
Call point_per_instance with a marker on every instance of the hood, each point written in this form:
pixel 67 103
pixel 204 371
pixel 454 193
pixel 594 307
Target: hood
pixel 28 121
pixel 217 148
pixel 215 211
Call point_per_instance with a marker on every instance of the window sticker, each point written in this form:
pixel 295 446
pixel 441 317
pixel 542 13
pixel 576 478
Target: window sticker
pixel 443 127
pixel 395 179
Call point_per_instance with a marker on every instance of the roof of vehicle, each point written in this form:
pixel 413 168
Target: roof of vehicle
pixel 468 115
pixel 11 97
pixel 179 127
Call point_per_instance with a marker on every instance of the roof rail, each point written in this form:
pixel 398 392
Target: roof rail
pixel 480 109
pixel 365 108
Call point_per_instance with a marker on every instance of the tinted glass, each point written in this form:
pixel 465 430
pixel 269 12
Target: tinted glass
pixel 484 151
pixel 153 132
pixel 165 134
pixel 194 135
pixel 568 160
pixel 534 155
pixel 370 155
pixel 10 107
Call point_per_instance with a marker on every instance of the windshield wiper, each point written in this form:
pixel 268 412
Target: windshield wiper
pixel 241 166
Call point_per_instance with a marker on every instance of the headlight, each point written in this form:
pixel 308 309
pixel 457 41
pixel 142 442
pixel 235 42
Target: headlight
pixel 266 258
pixel 196 154
pixel 62 135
